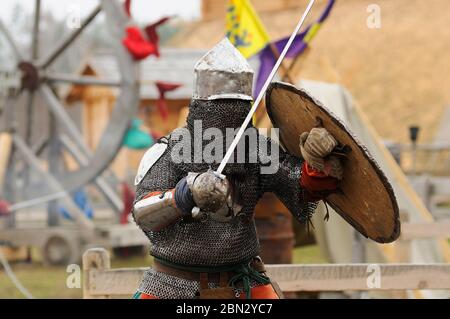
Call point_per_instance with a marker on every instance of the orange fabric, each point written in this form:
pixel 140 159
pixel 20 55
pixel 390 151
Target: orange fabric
pixel 317 183
pixel 151 194
pixel 145 296
pixel 262 292
pixel 258 292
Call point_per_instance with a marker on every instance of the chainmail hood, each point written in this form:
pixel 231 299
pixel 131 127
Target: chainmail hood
pixel 222 114
pixel 226 116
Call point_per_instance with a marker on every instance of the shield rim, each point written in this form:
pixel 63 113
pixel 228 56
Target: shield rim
pixel 383 178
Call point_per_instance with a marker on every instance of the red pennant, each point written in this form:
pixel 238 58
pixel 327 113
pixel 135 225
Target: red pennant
pixel 127 7
pixel 164 87
pixel 4 208
pixel 128 199
pixel 138 47
pixel 161 103
pixel 152 34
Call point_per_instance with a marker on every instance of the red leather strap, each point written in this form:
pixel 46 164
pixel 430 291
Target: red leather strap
pixel 316 183
pixel 159 193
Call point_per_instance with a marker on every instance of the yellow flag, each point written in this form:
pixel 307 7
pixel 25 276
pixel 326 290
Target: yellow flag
pixel 244 28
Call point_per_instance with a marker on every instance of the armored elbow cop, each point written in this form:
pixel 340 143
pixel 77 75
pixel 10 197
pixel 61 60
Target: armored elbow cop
pixel 156 211
pixel 160 209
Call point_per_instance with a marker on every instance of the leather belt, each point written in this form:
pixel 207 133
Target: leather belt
pixel 189 275
pixel 212 277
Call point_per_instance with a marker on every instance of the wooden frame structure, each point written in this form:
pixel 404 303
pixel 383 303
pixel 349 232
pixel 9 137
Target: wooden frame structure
pixel 100 281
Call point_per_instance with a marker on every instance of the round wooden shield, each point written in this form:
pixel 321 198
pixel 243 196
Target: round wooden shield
pixel 365 198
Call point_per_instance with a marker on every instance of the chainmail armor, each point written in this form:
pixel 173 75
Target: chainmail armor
pixel 213 243
pixel 169 287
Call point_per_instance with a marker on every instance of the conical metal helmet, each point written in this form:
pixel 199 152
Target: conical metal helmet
pixel 223 73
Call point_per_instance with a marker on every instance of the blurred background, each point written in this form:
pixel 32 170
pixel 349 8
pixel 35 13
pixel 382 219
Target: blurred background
pixel 86 87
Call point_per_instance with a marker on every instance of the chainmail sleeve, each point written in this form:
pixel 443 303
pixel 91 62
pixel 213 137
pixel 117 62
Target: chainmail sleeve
pixel 285 183
pixel 200 243
pixel 161 176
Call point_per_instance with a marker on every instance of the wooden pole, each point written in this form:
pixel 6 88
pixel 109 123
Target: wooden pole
pixel 99 281
pixel 54 167
pixel 94 259
pixel 403 246
pixel 86 225
pixel 276 55
pixel 5 152
pixel 294 63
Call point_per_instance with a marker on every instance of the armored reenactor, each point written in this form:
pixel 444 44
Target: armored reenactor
pixel 201 227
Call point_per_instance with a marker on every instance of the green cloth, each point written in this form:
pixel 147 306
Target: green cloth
pixel 137 139
pixel 137 295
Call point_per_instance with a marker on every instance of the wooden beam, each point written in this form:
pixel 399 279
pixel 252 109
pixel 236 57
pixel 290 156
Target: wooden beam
pixel 94 259
pixel 412 231
pixel 53 184
pixel 101 282
pixel 5 152
pixel 124 235
pixel 338 277
pixel 440 185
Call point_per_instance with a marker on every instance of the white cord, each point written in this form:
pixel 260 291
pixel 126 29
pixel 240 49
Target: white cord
pixel 12 276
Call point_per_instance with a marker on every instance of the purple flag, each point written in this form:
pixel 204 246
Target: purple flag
pixel 267 59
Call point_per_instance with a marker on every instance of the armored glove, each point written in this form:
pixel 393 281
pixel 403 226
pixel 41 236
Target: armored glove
pixel 203 190
pixel 316 147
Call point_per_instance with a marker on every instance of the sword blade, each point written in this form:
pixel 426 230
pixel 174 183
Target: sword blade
pixel 263 91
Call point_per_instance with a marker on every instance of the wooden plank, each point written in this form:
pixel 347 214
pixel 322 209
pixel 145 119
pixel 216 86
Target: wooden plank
pixel 5 152
pixel 124 235
pixel 356 277
pixel 53 183
pixel 14 253
pixel 441 213
pixel 328 277
pixel 425 230
pixel 440 185
pixel 443 133
pixel 403 247
pixel 94 259
pixel 36 236
pixel 114 282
